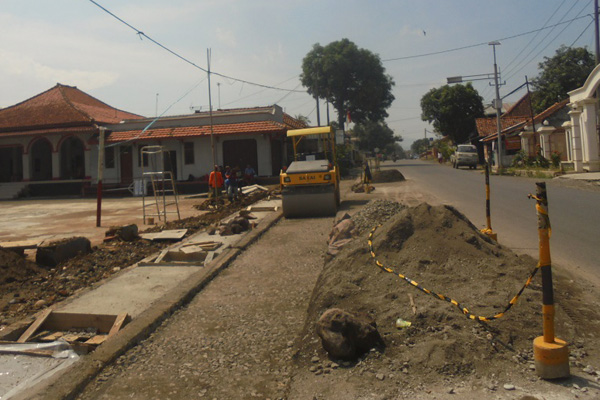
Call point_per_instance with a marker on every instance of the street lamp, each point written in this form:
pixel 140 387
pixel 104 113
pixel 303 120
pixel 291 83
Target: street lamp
pixel 498 107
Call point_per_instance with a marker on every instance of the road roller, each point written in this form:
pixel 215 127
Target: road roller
pixel 310 185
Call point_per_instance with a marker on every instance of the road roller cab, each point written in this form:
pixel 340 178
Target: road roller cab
pixel 310 185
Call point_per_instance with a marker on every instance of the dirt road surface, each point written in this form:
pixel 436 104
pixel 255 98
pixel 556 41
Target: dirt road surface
pixel 247 336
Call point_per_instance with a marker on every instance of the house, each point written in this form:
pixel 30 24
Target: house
pixel 583 143
pixel 240 137
pixel 50 136
pixel 53 137
pixel 487 128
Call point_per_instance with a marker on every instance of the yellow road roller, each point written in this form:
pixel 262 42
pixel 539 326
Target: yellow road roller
pixel 310 185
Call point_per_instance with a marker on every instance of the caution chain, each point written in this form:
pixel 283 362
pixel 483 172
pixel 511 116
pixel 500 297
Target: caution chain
pixel 438 296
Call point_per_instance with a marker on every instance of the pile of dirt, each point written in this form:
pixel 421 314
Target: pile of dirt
pixel 441 250
pixel 387 175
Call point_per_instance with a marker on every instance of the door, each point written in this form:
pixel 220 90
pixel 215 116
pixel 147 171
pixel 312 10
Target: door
pixel 170 162
pixel 240 153
pixel 126 163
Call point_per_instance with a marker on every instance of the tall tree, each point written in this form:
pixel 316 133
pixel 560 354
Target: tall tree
pixel 453 110
pixel 350 78
pixel 565 71
pixel 372 135
pixel 420 146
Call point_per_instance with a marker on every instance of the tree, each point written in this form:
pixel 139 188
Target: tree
pixel 303 118
pixel 420 146
pixel 453 110
pixel 565 71
pixel 352 79
pixel 372 135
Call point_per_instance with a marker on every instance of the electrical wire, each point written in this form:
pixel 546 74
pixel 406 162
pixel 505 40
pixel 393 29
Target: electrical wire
pixel 479 44
pixel 509 71
pixel 507 66
pixel 161 114
pixel 582 32
pixel 140 33
pixel 544 48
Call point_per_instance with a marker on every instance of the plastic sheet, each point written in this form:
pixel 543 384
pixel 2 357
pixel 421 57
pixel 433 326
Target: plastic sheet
pixel 19 371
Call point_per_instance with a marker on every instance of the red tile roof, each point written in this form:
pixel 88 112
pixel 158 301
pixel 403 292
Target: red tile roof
pixel 487 126
pixel 196 131
pixel 59 106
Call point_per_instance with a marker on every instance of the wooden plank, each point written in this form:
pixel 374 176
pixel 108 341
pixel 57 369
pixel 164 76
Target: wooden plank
pixel 36 353
pixel 35 326
pixel 162 254
pixel 72 337
pixel 174 234
pixel 96 340
pixel 58 321
pixel 20 245
pixel 121 320
pixel 52 337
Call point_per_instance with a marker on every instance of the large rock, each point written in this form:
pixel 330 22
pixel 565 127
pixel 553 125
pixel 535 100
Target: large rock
pixel 346 336
pixel 54 253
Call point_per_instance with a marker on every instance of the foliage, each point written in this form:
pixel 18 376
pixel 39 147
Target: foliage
pixel 372 135
pixel 303 118
pixel 523 160
pixel 555 159
pixel 395 149
pixel 453 110
pixel 350 78
pixel 444 148
pixel 420 146
pixel 565 71
pixel 344 158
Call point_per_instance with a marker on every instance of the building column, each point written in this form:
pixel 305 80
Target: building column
pixel 526 141
pixel 589 135
pixel 568 141
pixel 26 161
pixel 575 113
pixel 55 165
pixel 545 132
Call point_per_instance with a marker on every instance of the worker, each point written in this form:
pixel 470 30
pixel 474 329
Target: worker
pixel 215 182
pixel 249 173
pixel 231 180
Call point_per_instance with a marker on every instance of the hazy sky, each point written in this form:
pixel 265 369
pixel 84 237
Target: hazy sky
pixel 76 43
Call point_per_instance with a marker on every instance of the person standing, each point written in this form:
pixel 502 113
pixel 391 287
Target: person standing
pixel 249 173
pixel 215 182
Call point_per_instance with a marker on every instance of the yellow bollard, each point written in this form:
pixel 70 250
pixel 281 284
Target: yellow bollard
pixel 488 230
pixel 550 353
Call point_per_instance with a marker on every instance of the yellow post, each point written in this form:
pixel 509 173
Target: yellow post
pixel 550 353
pixel 488 230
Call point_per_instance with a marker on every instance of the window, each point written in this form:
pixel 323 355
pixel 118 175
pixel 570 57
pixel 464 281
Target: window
pixel 188 152
pixel 109 157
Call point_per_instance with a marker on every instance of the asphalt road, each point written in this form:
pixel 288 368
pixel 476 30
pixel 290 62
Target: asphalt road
pixel 574 212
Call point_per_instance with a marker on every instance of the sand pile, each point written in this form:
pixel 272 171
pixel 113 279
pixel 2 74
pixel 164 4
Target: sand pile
pixel 440 249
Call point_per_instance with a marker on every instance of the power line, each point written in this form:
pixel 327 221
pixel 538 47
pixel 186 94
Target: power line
pixel 140 33
pixel 482 43
pixel 582 32
pixel 535 36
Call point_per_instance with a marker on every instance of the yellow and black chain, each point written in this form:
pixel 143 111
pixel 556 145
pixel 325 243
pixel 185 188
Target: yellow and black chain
pixel 464 310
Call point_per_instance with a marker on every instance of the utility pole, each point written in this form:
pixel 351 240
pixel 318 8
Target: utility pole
pixel 100 177
pixel 318 112
pixel 219 88
pixel 498 107
pixel 212 136
pixel 597 32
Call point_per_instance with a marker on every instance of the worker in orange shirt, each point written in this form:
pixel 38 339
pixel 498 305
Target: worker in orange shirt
pixel 215 182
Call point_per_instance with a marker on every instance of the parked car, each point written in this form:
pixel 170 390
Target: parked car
pixel 465 155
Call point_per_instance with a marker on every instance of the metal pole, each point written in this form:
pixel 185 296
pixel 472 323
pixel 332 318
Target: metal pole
pixel 531 110
pixel 100 177
pixel 212 136
pixel 318 112
pixel 597 32
pixel 498 107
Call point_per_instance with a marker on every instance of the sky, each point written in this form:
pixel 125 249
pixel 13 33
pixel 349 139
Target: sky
pixel 77 43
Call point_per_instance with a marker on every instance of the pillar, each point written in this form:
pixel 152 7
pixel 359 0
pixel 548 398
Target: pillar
pixel 576 139
pixel 55 165
pixel 26 160
pixel 545 132
pixel 589 135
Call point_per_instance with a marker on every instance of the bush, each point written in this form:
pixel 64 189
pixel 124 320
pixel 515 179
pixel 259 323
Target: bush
pixel 555 159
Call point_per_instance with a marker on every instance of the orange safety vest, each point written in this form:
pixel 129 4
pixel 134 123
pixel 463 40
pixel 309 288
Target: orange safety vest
pixel 215 182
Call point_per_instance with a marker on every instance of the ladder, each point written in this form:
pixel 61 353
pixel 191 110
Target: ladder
pixel 163 185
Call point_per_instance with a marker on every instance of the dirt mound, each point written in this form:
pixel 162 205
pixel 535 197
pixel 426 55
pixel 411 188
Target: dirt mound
pixel 387 175
pixel 441 250
pixel 16 268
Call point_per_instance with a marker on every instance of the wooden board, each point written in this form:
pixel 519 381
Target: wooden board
pixel 35 326
pixel 174 234
pixel 262 208
pixel 64 322
pixel 121 320
pixel 20 245
pixel 96 340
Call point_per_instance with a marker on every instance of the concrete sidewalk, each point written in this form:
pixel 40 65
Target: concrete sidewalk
pixel 586 176
pixel 149 294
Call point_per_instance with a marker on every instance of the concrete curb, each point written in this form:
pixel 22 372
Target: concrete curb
pixel 69 383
